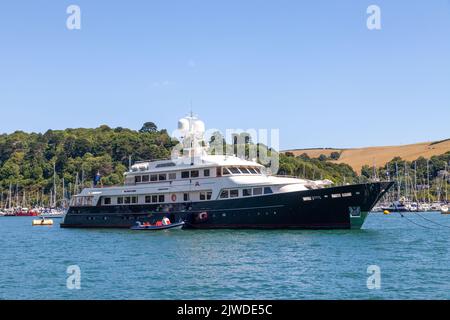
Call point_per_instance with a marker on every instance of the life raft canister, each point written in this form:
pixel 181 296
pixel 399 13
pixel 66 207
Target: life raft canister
pixel 174 197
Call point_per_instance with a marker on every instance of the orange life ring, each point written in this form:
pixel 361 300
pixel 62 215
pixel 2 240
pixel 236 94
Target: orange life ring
pixel 174 197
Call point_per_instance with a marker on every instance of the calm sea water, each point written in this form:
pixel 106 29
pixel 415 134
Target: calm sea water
pixel 122 264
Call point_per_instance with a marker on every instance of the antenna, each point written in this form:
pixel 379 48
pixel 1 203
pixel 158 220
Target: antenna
pixel 191 113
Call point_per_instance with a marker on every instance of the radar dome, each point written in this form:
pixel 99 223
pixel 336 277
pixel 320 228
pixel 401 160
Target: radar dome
pixel 183 125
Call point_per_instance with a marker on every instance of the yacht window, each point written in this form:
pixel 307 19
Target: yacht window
pixel 186 197
pixel 161 198
pixel 226 171
pixel 208 195
pixel 107 201
pixel 162 177
pixel 257 191
pixel 252 170
pixel 224 194
pixel 244 170
pixel 258 171
pixel 148 199
pixel 185 175
pixel 137 179
pixel 134 199
pixel 206 173
pixel 154 199
pixel 219 171
pixel 247 192
pixel 154 177
pixel 172 176
pixel 127 200
pixel 202 196
pixel 195 174
pixel 145 178
pixel 268 190
pixel 235 170
pixel 234 193
pixel 120 200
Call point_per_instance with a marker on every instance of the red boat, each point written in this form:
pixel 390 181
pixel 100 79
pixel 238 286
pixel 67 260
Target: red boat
pixel 26 213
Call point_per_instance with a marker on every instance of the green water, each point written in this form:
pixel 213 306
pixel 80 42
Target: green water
pixel 121 264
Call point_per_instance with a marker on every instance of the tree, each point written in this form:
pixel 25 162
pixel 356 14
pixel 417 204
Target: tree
pixel 335 155
pixel 149 127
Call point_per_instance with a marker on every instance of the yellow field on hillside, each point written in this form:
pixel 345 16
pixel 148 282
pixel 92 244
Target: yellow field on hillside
pixel 379 156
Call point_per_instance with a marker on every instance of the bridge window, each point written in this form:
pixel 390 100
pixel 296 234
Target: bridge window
pixel 247 192
pixel 172 176
pixel 206 173
pixel 234 193
pixel 244 170
pixel 252 170
pixel 208 195
pixel 120 200
pixel 127 200
pixel 186 197
pixel 146 178
pixel 162 177
pixel 137 179
pixel 154 199
pixel 226 172
pixel 234 170
pixel 161 198
pixel 148 199
pixel 268 190
pixel 107 201
pixel 134 200
pixel 153 178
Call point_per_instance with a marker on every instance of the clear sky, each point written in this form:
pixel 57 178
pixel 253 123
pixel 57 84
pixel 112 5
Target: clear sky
pixel 310 68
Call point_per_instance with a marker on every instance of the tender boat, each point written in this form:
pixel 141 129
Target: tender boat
pixel 148 227
pixel 220 192
pixel 445 209
pixel 42 222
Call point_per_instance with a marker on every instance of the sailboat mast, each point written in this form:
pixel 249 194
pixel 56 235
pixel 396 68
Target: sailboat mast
pixel 428 180
pixel 10 196
pixel 398 180
pixel 446 183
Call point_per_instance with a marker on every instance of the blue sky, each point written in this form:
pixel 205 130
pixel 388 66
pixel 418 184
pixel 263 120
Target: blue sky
pixel 310 68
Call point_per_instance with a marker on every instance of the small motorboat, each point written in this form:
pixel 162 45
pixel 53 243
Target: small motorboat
pixel 156 227
pixel 445 209
pixel 42 222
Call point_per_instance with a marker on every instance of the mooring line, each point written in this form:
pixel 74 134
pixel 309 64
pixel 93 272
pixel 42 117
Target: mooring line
pixel 417 224
pixel 437 223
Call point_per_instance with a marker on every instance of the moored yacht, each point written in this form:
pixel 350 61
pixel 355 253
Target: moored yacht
pixel 220 191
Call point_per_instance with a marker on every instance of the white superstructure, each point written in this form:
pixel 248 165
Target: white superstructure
pixel 193 176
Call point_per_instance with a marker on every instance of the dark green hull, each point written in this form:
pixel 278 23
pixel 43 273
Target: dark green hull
pixel 343 207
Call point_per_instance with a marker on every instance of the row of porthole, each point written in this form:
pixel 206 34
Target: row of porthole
pixel 249 214
pixel 106 218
